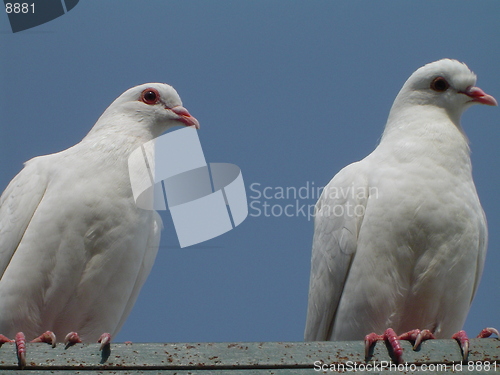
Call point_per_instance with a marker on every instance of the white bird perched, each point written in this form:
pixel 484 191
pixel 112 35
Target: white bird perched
pixel 74 248
pixel 400 237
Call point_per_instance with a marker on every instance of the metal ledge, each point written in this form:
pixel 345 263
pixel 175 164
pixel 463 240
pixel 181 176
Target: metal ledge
pixel 253 358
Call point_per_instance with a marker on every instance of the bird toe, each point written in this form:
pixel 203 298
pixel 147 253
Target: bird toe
pixel 487 332
pixel 104 340
pixel 463 341
pixel 20 341
pixel 48 337
pixel 71 339
pixel 393 340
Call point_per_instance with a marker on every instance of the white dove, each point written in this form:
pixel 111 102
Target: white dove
pixel 75 249
pixel 400 237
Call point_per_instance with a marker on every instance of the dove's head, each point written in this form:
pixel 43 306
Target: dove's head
pixel 445 84
pixel 145 111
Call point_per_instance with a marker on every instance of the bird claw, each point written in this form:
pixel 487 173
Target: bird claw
pixel 71 339
pixel 105 348
pixel 389 336
pixel 416 335
pixel 105 341
pixel 4 339
pixel 410 335
pixel 20 341
pixel 487 332
pixel 422 336
pixel 370 340
pixel 463 341
pixel 393 339
pixel 48 337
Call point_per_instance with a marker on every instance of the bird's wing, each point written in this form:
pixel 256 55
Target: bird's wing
pixel 483 246
pixel 18 203
pixel 147 263
pixel 339 213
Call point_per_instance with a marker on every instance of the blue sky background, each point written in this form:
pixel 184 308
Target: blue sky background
pixel 290 92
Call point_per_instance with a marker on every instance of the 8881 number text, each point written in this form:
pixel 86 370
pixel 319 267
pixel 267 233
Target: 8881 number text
pixel 17 8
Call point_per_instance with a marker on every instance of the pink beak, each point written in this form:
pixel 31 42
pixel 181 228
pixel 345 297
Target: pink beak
pixel 479 96
pixel 185 116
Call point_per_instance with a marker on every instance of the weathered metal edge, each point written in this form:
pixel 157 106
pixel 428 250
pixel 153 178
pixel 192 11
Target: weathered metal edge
pixel 264 355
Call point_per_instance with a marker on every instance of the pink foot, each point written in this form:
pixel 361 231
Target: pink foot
pixel 417 336
pixel 21 349
pixel 487 332
pixel 71 339
pixel 390 336
pixel 393 339
pixel 47 337
pixel 463 341
pixel 4 339
pixel 105 341
pixel 370 340
pixel 105 347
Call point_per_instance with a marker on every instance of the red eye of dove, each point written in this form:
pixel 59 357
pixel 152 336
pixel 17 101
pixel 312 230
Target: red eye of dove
pixel 150 96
